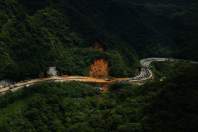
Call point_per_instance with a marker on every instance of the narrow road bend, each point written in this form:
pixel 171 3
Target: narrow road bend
pixel 144 75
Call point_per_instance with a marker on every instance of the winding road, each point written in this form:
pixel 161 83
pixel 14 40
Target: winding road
pixel 144 75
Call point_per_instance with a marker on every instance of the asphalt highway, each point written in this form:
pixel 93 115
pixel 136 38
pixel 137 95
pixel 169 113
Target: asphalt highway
pixel 144 75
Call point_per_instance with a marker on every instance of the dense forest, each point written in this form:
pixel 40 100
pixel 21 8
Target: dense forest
pixel 36 34
pixel 159 106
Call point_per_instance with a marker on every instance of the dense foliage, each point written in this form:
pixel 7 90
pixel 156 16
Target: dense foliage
pixel 173 104
pixel 69 107
pixel 159 106
pixel 166 70
pixel 36 34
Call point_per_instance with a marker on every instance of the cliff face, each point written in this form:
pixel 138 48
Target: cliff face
pixel 99 69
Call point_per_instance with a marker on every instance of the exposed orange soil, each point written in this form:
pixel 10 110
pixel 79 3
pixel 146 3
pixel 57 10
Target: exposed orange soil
pixel 99 69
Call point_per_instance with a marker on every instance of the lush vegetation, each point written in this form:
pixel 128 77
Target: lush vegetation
pixel 41 36
pixel 159 106
pixel 69 107
pixel 166 70
pixel 173 104
pixel 37 34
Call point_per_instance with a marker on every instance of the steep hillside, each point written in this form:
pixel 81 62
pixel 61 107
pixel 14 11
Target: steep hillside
pixel 43 36
pixel 160 28
pixel 160 106
pixel 166 28
pixel 37 34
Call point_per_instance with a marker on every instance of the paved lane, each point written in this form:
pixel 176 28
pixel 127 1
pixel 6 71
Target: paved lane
pixel 144 75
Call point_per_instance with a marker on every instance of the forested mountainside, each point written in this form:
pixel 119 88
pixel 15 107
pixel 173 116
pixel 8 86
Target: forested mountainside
pixel 36 34
pixel 159 106
pixel 77 36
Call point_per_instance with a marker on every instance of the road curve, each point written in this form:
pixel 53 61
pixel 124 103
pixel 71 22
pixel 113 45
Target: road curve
pixel 144 75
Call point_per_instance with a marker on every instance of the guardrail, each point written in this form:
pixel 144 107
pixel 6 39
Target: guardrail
pixel 145 74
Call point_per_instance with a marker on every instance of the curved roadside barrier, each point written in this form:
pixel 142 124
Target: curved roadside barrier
pixel 144 75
